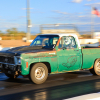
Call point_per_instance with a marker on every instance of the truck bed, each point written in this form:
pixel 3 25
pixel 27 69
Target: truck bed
pixel 89 55
pixel 90 47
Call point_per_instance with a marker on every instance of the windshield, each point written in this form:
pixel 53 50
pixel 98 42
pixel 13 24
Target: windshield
pixel 46 41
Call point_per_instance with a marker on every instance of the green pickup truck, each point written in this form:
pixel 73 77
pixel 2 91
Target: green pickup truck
pixel 49 54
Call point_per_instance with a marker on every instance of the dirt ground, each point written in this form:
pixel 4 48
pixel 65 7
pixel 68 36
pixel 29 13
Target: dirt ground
pixel 13 43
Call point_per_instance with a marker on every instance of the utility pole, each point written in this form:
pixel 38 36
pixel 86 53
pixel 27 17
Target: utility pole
pixel 28 21
pixel 92 22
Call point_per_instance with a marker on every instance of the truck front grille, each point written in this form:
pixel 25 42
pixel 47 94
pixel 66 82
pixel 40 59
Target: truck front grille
pixel 5 59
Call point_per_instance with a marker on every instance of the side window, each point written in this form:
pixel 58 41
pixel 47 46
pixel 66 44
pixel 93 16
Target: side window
pixel 38 42
pixel 45 41
pixel 67 42
pixel 55 41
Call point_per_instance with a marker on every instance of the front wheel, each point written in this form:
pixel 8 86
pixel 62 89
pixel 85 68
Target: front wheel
pixel 96 69
pixel 39 73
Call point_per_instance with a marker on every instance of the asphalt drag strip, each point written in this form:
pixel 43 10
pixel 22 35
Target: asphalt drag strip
pixel 57 87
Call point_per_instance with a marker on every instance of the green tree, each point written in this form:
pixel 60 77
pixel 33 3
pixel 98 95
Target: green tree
pixel 1 33
pixel 12 31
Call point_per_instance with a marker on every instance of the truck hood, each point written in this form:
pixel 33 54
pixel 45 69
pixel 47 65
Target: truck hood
pixel 23 49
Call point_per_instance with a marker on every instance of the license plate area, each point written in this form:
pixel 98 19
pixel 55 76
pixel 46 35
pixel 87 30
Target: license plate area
pixel 1 66
pixel 8 67
pixel 9 72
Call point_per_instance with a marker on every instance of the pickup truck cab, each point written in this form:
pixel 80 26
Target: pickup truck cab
pixel 49 54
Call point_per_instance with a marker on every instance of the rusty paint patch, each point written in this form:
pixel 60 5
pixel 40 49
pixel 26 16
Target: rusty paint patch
pixel 45 55
pixel 54 72
pixel 53 51
pixel 54 59
pixel 64 71
pixel 68 49
pixel 91 67
pixel 38 52
pixel 58 49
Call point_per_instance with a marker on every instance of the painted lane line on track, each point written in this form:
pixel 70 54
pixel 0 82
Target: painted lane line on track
pixel 94 99
pixel 1 88
pixel 92 96
pixel 85 75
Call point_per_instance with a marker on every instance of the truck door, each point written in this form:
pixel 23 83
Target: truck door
pixel 68 54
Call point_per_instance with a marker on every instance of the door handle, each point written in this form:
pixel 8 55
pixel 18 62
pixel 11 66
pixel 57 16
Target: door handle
pixel 76 50
pixel 63 48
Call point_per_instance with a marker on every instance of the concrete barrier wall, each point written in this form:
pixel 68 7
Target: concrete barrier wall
pixel 88 41
pixel 65 31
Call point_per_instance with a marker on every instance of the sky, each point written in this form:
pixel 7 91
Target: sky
pixel 13 14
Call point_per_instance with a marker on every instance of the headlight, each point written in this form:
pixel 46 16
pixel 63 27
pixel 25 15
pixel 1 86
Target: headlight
pixel 18 60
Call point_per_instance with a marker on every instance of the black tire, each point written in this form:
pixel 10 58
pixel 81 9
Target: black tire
pixel 38 73
pixel 92 71
pixel 96 69
pixel 11 76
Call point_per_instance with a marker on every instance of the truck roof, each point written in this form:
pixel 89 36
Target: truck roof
pixel 60 34
pixel 66 34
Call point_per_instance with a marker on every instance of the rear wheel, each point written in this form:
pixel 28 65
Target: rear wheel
pixel 39 73
pixel 96 69
pixel 11 76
